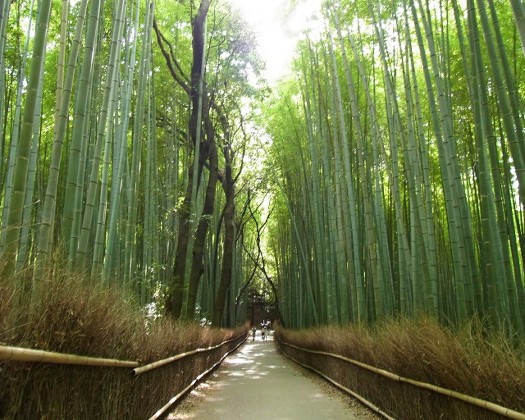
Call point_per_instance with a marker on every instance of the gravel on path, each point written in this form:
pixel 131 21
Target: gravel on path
pixel 257 382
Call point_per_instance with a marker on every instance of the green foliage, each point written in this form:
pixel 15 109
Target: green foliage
pixel 397 83
pixel 391 158
pixel 123 136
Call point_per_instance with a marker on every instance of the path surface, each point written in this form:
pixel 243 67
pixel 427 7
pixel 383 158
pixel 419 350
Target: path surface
pixel 257 382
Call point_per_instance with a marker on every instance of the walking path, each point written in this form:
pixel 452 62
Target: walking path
pixel 257 382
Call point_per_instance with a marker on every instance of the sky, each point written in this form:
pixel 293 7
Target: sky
pixel 277 31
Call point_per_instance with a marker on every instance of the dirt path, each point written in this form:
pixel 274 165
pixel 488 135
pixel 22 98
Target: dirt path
pixel 259 383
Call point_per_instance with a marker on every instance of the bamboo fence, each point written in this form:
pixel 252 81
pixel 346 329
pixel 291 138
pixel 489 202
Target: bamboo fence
pixel 487 405
pixel 160 413
pixel 159 363
pixel 19 354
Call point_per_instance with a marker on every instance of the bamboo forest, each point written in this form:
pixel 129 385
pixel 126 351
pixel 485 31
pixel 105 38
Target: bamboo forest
pixel 382 176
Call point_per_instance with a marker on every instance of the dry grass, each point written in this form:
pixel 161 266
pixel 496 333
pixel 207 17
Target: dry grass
pixel 73 315
pixel 469 360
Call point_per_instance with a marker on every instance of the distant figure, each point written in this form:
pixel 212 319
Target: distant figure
pixel 254 330
pixel 263 332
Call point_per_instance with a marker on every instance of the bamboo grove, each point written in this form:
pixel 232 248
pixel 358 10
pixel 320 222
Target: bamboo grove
pixel 122 145
pixel 132 133
pixel 399 146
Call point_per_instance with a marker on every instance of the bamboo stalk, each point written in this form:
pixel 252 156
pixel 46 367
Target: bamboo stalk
pixel 17 195
pixel 506 412
pixel 19 354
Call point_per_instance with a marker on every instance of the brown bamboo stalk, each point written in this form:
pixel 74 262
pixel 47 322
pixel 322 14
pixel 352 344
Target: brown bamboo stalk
pixel 496 408
pixel 19 354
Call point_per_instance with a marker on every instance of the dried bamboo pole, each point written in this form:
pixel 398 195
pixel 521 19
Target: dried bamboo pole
pixel 369 404
pixel 172 401
pixel 159 363
pixel 496 408
pixel 19 354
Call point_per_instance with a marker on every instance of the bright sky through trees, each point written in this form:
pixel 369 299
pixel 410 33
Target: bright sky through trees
pixel 278 25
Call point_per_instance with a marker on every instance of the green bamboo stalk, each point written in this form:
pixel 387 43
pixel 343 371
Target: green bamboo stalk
pixel 116 225
pixel 87 149
pixel 45 232
pixel 448 165
pixel 15 136
pixel 26 232
pixel 494 157
pixel 136 151
pixel 519 18
pixel 4 17
pixel 100 233
pixel 346 146
pixel 78 147
pixel 151 216
pixel 422 157
pixel 396 132
pixel 422 283
pixel 359 312
pixel 506 100
pixel 375 226
pixel 61 62
pixel 507 302
pixel 103 116
pixel 321 251
pixel 23 150
pixel 304 273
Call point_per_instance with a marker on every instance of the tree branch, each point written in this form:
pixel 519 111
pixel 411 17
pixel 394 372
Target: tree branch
pixel 180 79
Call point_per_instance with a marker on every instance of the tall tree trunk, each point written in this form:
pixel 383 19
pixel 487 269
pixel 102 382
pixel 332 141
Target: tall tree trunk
pixel 197 266
pixel 176 294
pixel 229 245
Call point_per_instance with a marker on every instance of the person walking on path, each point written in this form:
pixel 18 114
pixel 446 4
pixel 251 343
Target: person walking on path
pixel 263 331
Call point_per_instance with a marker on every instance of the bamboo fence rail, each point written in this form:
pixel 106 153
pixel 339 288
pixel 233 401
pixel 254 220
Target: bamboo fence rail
pixel 159 363
pixel 369 404
pixel 503 411
pixel 173 400
pixel 19 354
pixel 41 356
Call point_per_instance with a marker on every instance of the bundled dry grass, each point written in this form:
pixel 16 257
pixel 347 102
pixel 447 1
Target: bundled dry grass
pixel 73 315
pixel 469 360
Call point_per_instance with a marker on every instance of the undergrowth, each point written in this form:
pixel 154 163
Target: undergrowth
pixel 470 360
pixel 76 316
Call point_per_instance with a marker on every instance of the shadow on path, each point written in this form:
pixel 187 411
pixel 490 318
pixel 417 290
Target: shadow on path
pixel 259 383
